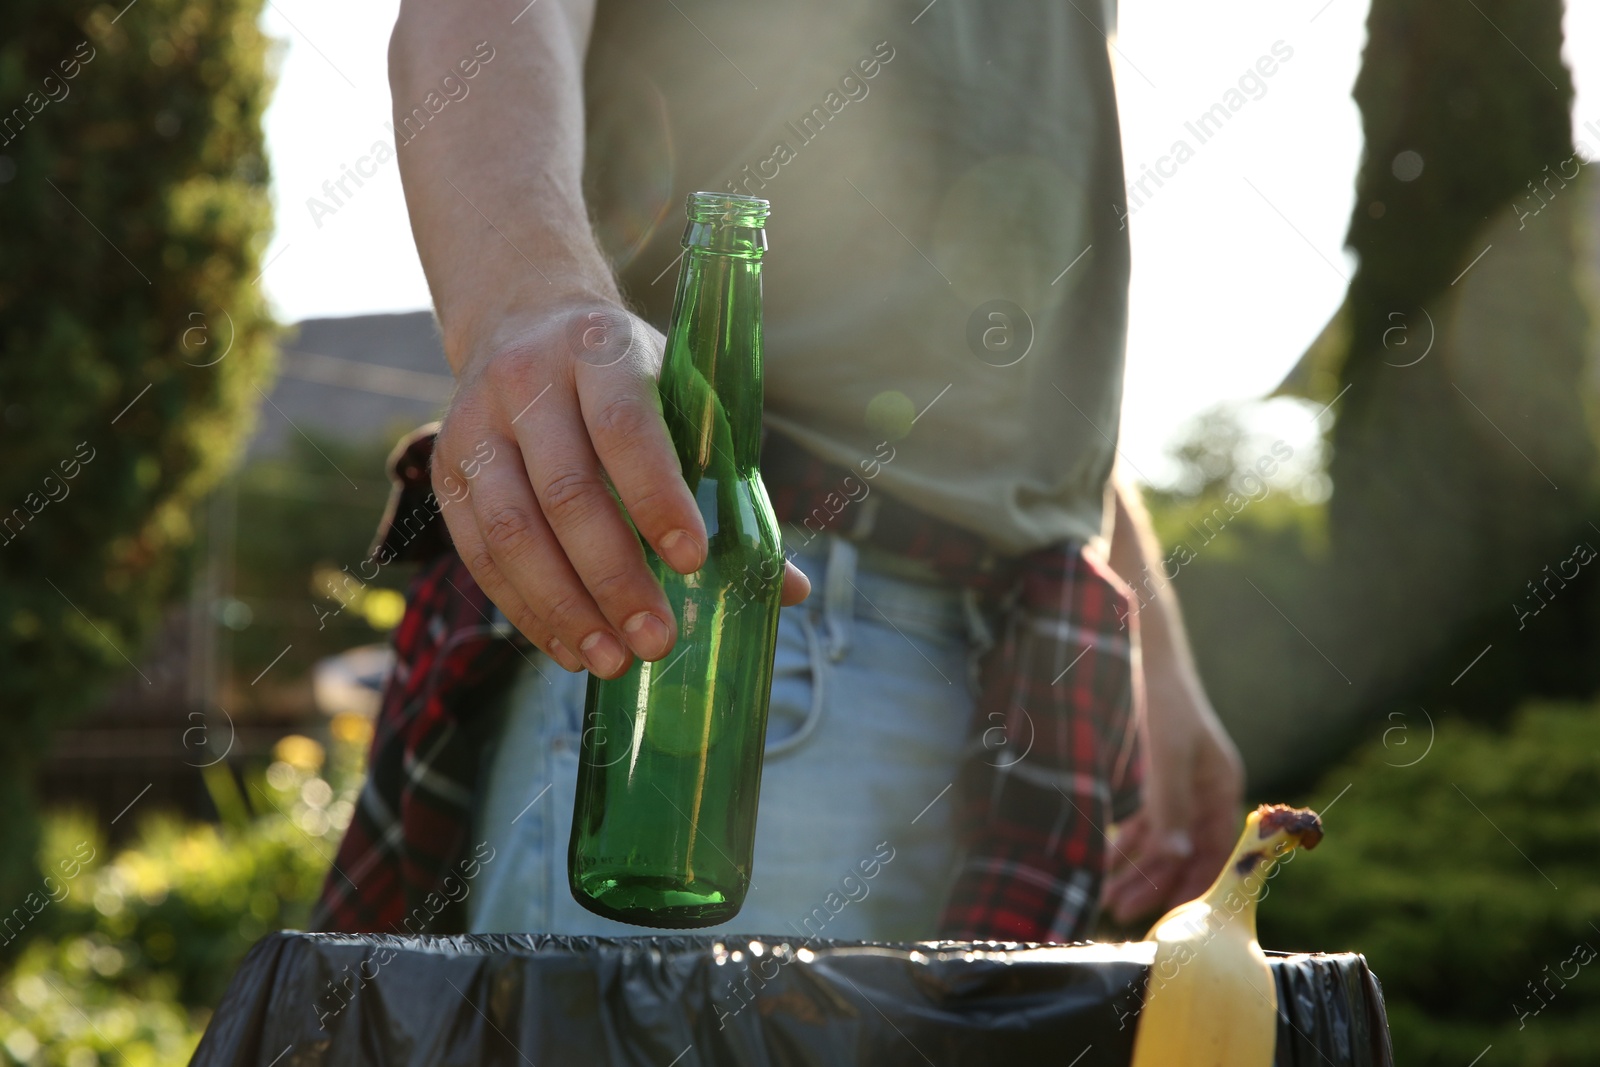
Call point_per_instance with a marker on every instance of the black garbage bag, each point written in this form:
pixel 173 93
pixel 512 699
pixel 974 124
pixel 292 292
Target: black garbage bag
pixel 546 1001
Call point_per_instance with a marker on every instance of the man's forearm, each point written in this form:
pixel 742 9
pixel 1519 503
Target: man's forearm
pixel 1195 778
pixel 494 183
pixel 1136 557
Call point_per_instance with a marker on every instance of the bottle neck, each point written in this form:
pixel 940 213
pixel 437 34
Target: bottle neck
pixel 711 380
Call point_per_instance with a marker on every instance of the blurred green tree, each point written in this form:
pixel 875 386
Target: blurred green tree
pixel 133 214
pixel 1462 454
pixel 1459 471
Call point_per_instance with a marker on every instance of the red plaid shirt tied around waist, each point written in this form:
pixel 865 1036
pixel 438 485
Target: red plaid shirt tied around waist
pixel 1053 754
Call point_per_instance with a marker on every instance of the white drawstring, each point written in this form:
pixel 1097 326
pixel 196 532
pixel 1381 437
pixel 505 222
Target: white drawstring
pixel 838 595
pixel 818 673
pixel 980 639
pixel 838 611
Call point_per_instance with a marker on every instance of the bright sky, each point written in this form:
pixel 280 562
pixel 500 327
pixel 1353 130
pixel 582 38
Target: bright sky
pixel 1238 258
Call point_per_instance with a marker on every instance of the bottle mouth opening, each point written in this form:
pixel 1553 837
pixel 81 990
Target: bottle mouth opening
pixel 727 209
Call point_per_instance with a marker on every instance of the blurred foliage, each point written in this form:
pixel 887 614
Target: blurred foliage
pixel 1283 626
pixel 303 533
pixel 133 212
pixel 1273 490
pixel 1208 454
pixel 1234 570
pixel 1464 861
pixel 125 960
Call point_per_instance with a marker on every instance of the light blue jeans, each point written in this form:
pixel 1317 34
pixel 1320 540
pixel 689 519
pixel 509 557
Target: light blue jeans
pixel 871 705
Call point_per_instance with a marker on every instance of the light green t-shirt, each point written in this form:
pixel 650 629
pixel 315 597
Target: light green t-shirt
pixel 948 261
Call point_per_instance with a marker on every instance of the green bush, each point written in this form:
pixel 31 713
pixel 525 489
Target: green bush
pixel 1463 877
pixel 132 220
pixel 127 961
pixel 74 1004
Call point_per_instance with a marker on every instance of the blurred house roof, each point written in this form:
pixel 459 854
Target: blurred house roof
pixel 355 378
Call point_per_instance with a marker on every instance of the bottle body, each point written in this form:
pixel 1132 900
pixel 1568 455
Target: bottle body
pixel 670 762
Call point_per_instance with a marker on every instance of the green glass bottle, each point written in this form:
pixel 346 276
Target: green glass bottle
pixel 670 764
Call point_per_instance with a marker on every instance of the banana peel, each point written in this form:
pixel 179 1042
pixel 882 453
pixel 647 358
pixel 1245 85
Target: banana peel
pixel 1210 1000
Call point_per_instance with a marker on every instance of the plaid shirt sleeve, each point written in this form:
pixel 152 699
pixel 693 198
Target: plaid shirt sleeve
pixel 453 654
pixel 1032 814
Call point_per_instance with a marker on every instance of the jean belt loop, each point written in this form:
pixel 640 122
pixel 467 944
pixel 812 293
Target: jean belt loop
pixel 980 638
pixel 838 595
pixel 866 518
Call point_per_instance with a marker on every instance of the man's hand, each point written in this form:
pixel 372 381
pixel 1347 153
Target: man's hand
pixel 535 431
pixel 1172 849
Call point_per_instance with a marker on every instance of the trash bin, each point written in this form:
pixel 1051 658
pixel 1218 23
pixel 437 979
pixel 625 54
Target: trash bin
pixel 695 1001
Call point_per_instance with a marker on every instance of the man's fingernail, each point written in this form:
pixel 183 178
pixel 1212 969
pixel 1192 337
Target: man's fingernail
pixel 1179 844
pixel 647 635
pixel 601 651
pixel 567 660
pixel 680 549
